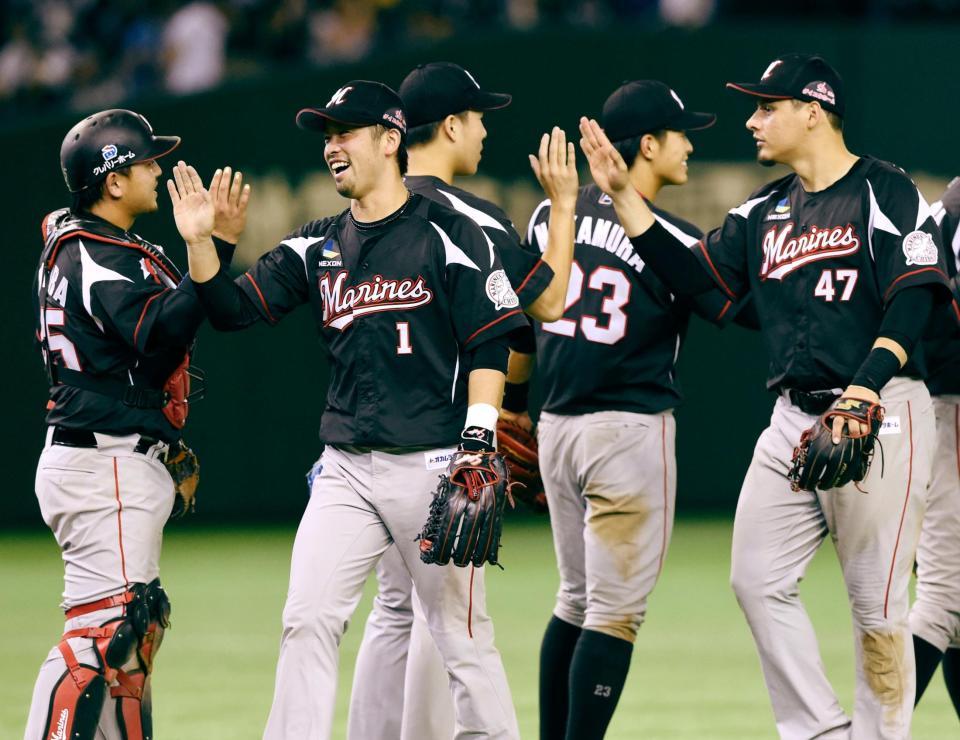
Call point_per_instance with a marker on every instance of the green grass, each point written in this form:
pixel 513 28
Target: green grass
pixel 694 673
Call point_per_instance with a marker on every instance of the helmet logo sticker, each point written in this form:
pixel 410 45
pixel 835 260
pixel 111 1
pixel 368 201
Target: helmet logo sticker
pixel 109 152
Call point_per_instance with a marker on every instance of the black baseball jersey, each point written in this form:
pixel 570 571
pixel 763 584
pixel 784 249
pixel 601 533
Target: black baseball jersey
pixel 528 274
pixel 114 307
pixel 822 267
pixel 400 304
pixel 616 346
pixel 943 352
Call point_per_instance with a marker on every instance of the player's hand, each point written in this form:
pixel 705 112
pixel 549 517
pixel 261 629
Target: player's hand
pixel 609 171
pixel 854 428
pixel 556 169
pixel 192 204
pixel 230 199
pixel 521 419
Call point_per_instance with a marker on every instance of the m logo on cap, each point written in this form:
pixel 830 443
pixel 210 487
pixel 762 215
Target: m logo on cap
pixel 769 70
pixel 339 96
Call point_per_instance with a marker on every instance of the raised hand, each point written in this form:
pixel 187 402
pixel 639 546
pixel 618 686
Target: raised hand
pixel 609 171
pixel 556 168
pixel 193 208
pixel 230 199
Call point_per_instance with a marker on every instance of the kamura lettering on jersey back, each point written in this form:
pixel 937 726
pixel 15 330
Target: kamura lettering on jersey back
pixel 342 304
pixel 783 252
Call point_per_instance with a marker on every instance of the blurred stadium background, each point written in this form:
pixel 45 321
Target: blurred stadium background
pixel 229 77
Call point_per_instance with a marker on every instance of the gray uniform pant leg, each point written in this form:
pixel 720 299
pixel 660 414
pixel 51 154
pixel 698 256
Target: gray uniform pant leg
pixel 610 479
pixel 776 533
pixel 377 696
pixel 106 507
pixel 360 504
pixel 935 615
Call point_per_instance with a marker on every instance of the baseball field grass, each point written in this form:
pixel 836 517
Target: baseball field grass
pixel 694 674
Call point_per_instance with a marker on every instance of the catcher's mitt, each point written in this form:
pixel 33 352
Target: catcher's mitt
pixel 184 467
pixel 520 451
pixel 819 463
pixel 466 514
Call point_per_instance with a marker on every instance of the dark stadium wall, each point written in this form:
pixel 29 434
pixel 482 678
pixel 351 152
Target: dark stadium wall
pixel 256 431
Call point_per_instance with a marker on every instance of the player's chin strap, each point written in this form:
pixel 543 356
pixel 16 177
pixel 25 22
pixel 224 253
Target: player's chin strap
pixel 125 647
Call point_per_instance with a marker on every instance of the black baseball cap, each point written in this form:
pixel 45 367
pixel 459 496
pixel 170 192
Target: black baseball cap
pixel 431 92
pixel 800 77
pixel 358 102
pixel 641 106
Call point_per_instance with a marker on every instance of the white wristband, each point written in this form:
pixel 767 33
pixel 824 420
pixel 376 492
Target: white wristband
pixel 482 415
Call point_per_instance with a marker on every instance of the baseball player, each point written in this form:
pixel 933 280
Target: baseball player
pixel 843 260
pixel 445 106
pixel 935 616
pixel 606 435
pixel 115 324
pixel 415 315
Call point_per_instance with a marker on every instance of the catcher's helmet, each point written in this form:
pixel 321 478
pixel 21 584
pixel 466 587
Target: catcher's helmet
pixel 107 141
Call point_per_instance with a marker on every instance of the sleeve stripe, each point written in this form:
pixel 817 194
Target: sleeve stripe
pixel 723 311
pixel 263 301
pixel 492 323
pixel 530 274
pixel 143 313
pixel 533 220
pixel 716 274
pixel 910 274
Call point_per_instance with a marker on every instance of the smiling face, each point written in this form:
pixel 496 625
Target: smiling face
pixel 669 162
pixel 779 128
pixel 357 157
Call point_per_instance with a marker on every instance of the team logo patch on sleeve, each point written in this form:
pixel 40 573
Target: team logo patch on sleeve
pixel 500 292
pixel 919 248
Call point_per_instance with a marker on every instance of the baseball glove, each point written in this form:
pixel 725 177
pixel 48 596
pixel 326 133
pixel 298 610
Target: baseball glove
pixel 819 463
pixel 184 467
pixel 520 452
pixel 466 514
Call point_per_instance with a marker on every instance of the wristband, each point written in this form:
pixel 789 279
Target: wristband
pixel 877 370
pixel 516 396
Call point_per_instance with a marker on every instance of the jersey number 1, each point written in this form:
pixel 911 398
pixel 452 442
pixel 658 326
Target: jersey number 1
pixel 403 339
pixel 612 306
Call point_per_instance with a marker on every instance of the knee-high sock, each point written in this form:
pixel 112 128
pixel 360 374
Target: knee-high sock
pixel 556 653
pixel 597 675
pixel 928 658
pixel 951 676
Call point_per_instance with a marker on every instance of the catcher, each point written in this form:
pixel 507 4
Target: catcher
pixel 115 323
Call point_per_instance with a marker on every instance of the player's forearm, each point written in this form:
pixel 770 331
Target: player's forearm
pixel 672 261
pixel 225 303
pixel 558 254
pixel 903 323
pixel 203 260
pixel 633 212
pixel 485 386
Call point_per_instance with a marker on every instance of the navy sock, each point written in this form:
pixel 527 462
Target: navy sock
pixel 597 675
pixel 927 658
pixel 556 652
pixel 951 676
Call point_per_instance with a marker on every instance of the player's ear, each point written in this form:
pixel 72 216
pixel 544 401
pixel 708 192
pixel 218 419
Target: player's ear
pixel 113 185
pixel 814 114
pixel 451 127
pixel 391 141
pixel 649 146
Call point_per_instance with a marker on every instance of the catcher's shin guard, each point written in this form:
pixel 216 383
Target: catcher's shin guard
pixel 125 648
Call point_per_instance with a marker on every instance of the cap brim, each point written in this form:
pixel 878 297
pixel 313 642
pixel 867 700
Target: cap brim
pixel 759 90
pixel 315 119
pixel 161 146
pixel 490 101
pixel 691 121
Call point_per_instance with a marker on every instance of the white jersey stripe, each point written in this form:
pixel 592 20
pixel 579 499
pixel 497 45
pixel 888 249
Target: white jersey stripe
pixel 455 255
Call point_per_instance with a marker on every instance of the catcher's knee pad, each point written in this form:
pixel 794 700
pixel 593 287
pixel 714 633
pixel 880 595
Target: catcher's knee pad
pixel 76 703
pixel 125 647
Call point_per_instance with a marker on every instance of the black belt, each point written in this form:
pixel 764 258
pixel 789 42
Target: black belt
pixel 85 438
pixel 813 403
